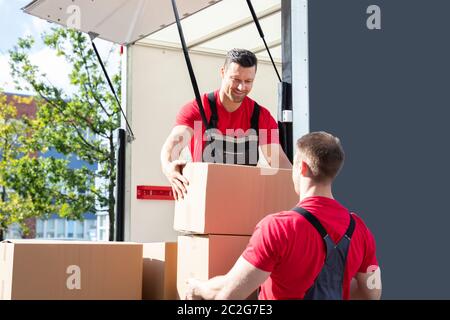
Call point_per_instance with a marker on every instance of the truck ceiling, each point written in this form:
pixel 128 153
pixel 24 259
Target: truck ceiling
pixel 120 21
pixel 210 26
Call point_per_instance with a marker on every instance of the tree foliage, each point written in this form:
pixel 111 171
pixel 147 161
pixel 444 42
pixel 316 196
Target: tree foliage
pixel 80 126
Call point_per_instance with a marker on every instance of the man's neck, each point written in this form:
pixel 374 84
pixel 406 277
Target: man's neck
pixel 316 191
pixel 229 105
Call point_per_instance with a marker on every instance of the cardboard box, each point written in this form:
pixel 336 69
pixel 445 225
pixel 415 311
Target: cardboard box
pixel 231 199
pixel 60 270
pixel 159 271
pixel 205 256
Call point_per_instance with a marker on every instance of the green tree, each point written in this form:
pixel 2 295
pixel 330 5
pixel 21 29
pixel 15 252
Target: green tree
pixel 33 186
pixel 82 125
pixel 13 208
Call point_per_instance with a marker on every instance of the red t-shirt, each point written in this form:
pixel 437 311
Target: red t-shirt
pixel 189 115
pixel 289 247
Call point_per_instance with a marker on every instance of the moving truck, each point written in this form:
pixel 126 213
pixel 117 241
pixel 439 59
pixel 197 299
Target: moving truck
pixel 374 73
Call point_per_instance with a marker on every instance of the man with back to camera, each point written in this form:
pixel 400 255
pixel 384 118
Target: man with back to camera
pixel 287 252
pixel 237 126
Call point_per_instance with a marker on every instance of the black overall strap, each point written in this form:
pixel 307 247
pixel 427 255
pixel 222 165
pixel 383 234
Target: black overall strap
pixel 351 228
pixel 214 117
pixel 254 122
pixel 189 64
pixel 313 220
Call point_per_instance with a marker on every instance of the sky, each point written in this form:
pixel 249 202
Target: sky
pixel 15 24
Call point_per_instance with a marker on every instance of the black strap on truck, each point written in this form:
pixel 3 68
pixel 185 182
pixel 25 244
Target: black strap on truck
pixel 92 37
pixel 261 34
pixel 284 95
pixel 189 64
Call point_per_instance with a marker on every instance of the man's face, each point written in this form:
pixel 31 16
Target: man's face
pixel 237 81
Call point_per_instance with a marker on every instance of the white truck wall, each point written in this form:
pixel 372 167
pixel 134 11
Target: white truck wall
pixel 157 86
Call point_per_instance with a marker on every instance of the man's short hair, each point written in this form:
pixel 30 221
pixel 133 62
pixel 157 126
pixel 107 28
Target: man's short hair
pixel 323 153
pixel 242 57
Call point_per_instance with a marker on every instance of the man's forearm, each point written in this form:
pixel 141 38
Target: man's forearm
pixel 174 144
pixel 355 292
pixel 169 153
pixel 284 161
pixel 361 293
pixel 209 290
pixel 165 155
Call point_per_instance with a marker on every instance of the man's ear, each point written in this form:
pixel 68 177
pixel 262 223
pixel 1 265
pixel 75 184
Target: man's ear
pixel 304 168
pixel 222 72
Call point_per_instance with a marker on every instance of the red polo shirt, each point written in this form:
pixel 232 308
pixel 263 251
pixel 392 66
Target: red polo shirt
pixel 189 115
pixel 289 247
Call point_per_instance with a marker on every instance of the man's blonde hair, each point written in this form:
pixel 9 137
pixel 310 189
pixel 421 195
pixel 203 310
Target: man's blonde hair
pixel 323 153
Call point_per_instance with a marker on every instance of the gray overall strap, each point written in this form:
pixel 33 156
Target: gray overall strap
pixel 329 283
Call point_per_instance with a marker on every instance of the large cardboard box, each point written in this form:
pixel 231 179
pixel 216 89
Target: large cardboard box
pixel 160 271
pixel 60 270
pixel 205 256
pixel 232 199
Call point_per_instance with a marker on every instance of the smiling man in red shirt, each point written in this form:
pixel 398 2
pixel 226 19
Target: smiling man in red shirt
pixel 317 250
pixel 236 126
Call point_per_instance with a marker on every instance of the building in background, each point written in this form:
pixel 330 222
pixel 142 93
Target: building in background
pixel 91 228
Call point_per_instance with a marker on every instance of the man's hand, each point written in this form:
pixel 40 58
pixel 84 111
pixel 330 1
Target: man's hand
pixel 366 286
pixel 178 138
pixel 192 292
pixel 173 172
pixel 237 284
pixel 275 156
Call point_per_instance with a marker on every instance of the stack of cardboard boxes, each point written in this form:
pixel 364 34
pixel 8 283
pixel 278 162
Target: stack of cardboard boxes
pixel 159 281
pixel 66 270
pixel 218 215
pixel 79 270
